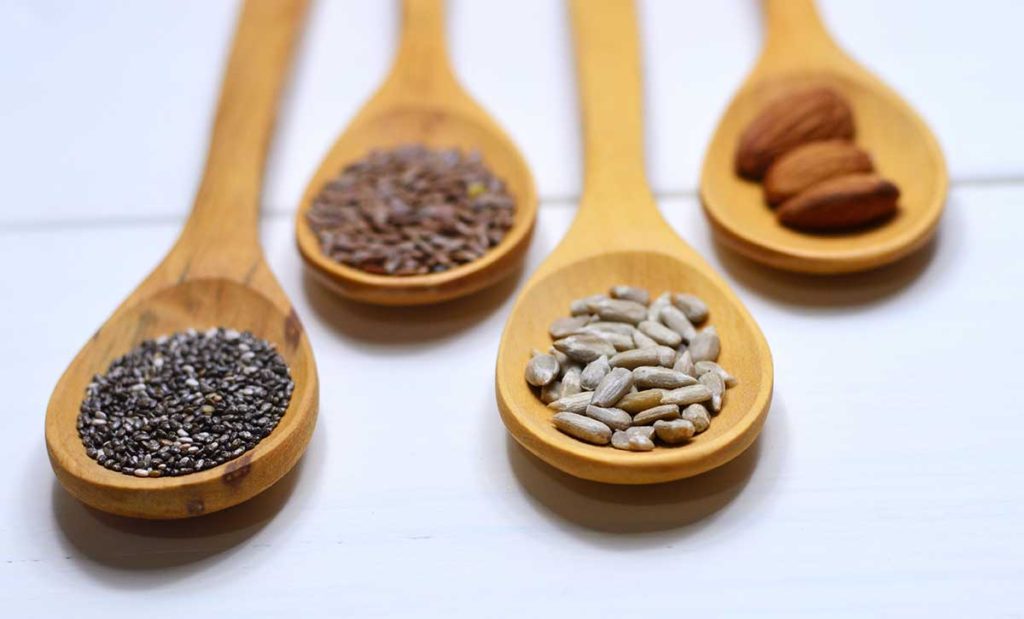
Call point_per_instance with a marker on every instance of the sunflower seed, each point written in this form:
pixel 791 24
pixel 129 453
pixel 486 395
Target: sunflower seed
pixel 541 370
pixel 551 392
pixel 564 362
pixel 618 340
pixel 698 416
pixel 635 442
pixel 571 381
pixel 676 320
pixel 641 400
pixel 612 387
pixel 584 347
pixel 642 341
pixel 654 309
pixel 706 346
pixel 644 431
pixel 675 431
pixel 710 366
pixel 619 310
pixel 603 326
pixel 660 333
pixel 684 364
pixel 663 378
pixel 687 395
pixel 583 428
pixel 695 309
pixel 614 418
pixel 576 403
pixel 713 381
pixel 563 327
pixel 586 305
pixel 662 412
pixel 630 293
pixel 594 372
pixel 659 355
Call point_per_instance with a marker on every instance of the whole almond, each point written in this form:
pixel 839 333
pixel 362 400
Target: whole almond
pixel 810 164
pixel 840 203
pixel 801 116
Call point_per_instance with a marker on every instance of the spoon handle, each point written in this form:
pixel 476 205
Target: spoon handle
pixel 421 69
pixel 607 47
pixel 222 233
pixel 795 35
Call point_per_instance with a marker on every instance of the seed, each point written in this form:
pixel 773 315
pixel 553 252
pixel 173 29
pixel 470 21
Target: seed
pixel 619 310
pixel 660 355
pixel 612 387
pixel 654 309
pixel 614 418
pixel 564 362
pixel 660 333
pixel 551 392
pixel 576 403
pixel 621 328
pixel 635 442
pixel 617 340
pixel 706 346
pixel 541 370
pixel 584 347
pixel 630 293
pixel 583 428
pixel 649 416
pixel 710 366
pixel 563 327
pixel 586 305
pixel 644 431
pixel 716 385
pixel 643 341
pixel 674 431
pixel 687 395
pixel 698 416
pixel 676 321
pixel 695 309
pixel 571 381
pixel 594 372
pixel 684 364
pixel 663 378
pixel 641 400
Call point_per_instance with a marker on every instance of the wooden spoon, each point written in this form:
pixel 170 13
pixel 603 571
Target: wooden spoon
pixel 215 275
pixel 619 237
pixel 798 51
pixel 421 102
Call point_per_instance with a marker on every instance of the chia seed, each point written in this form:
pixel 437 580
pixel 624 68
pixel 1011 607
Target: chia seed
pixel 185 402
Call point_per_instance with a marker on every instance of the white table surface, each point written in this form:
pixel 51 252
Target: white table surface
pixel 888 480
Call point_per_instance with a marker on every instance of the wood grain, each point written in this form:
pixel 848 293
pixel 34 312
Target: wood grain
pixel 215 275
pixel 799 52
pixel 422 102
pixel 620 237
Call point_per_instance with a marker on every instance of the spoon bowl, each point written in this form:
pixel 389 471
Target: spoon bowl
pixel 421 102
pixel 214 276
pixel 619 237
pixel 798 52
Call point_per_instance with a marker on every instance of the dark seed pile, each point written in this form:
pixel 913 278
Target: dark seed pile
pixel 184 403
pixel 412 211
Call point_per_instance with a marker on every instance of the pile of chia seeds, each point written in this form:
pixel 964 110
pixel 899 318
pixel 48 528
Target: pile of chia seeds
pixel 184 403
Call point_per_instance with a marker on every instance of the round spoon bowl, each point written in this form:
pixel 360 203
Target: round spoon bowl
pixel 744 353
pixel 200 305
pixel 435 128
pixel 901 147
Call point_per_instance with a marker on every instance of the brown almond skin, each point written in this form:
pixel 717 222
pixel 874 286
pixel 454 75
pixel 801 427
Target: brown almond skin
pixel 840 203
pixel 811 163
pixel 802 116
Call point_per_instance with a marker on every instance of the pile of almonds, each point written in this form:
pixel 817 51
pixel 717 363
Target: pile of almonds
pixel 800 147
pixel 625 370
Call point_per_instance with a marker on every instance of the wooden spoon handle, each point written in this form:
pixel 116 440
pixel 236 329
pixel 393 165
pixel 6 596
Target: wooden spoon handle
pixel 795 35
pixel 421 69
pixel 224 225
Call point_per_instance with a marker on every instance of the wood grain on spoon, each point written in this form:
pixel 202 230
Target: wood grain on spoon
pixel 215 275
pixel 421 102
pixel 619 237
pixel 798 53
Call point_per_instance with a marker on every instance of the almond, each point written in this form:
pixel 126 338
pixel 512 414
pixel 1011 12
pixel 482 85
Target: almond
pixel 841 202
pixel 810 164
pixel 799 117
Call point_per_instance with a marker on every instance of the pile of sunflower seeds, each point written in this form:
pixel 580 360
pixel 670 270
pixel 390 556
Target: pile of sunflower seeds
pixel 625 370
pixel 411 211
pixel 185 402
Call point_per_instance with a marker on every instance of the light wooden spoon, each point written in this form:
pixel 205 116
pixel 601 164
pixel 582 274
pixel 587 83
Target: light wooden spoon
pixel 798 51
pixel 215 275
pixel 619 237
pixel 422 102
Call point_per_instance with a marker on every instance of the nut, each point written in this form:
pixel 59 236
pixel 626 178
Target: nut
pixel 810 164
pixel 583 428
pixel 839 203
pixel 798 117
